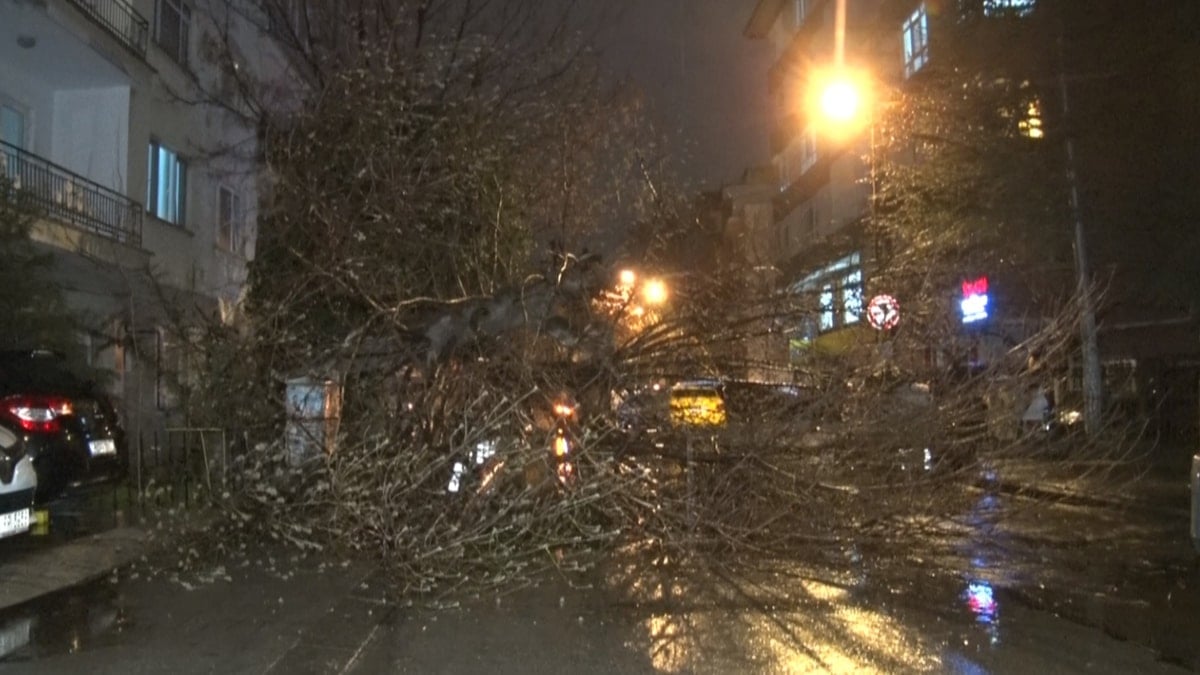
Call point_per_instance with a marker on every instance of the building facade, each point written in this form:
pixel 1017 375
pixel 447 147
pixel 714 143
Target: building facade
pixel 826 168
pixel 146 179
pixel 1100 72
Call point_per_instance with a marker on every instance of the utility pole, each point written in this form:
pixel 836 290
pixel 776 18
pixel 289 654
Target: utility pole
pixel 1093 382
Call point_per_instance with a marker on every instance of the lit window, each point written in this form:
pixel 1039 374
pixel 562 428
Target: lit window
pixel 916 41
pixel 229 220
pixel 172 28
pixel 852 304
pixel 1008 7
pixel 827 307
pixel 166 184
pixel 1031 122
pixel 838 287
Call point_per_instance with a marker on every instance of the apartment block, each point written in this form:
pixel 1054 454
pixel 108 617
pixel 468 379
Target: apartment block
pixel 117 121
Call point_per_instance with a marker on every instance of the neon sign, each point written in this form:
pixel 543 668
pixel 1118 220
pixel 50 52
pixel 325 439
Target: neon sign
pixel 974 301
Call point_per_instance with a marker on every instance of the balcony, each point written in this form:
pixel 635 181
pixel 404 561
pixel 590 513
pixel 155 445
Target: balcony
pixel 120 19
pixel 66 197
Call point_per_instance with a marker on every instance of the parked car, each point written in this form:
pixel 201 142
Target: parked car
pixel 68 425
pixel 18 481
pixel 698 403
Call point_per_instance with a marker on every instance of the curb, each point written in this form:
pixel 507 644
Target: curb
pixel 70 564
pixel 1076 498
pixel 83 560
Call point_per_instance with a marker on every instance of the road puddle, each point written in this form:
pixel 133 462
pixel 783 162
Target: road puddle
pixel 69 622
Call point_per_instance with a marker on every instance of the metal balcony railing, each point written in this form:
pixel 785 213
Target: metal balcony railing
pixel 120 19
pixel 69 198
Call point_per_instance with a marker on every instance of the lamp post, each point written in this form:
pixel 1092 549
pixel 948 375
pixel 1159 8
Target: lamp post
pixel 1093 378
pixel 845 104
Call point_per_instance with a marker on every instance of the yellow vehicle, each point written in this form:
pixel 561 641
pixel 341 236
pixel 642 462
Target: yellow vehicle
pixel 698 403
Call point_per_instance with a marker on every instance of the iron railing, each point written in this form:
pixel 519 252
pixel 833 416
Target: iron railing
pixel 120 19
pixel 69 198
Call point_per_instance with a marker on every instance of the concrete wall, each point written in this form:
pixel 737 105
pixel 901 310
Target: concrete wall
pixel 36 101
pixel 90 134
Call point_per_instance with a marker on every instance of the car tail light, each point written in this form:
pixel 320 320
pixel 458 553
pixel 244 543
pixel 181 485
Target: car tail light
pixel 41 414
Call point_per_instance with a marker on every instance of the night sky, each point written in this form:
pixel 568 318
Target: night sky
pixel 704 82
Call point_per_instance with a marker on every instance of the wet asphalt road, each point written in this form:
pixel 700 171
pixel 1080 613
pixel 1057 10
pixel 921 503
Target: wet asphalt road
pixel 330 620
pixel 1050 587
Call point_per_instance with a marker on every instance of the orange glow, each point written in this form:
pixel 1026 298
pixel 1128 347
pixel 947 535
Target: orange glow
pixel 839 101
pixel 654 292
pixel 562 447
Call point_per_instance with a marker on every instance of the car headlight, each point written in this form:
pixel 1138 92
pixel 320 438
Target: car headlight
pixel 1069 417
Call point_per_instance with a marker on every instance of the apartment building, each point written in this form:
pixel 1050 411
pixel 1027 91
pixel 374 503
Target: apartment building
pixel 147 188
pixel 1110 98
pixel 823 201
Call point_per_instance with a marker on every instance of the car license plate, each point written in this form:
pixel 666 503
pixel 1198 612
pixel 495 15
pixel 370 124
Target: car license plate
pixel 14 523
pixel 104 446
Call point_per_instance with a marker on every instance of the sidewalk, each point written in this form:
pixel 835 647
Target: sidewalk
pixel 1151 592
pixel 1156 482
pixel 71 564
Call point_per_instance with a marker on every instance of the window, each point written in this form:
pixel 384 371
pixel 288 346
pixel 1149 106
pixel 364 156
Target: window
pixel 1008 7
pixel 171 30
pixel 12 132
pixel 800 9
pixel 826 307
pixel 852 304
pixel 229 220
pixel 166 184
pixel 810 222
pixel 916 41
pixel 839 292
pixel 800 156
pixel 12 125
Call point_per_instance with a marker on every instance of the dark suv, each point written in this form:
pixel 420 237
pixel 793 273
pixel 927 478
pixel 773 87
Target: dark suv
pixel 69 426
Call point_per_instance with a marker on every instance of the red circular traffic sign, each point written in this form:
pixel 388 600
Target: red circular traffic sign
pixel 883 312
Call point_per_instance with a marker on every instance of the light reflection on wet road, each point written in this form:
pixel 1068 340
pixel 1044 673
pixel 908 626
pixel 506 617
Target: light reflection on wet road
pixel 780 618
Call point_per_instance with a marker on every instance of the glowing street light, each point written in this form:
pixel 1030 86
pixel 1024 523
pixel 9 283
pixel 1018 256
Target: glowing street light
pixel 627 278
pixel 840 101
pixel 654 292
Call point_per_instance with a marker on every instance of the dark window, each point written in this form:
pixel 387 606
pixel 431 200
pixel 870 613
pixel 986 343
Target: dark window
pixel 172 28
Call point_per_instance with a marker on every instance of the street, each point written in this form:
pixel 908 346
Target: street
pixel 1027 598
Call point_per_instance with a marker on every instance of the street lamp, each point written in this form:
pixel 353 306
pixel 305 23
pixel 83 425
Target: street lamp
pixel 654 292
pixel 840 101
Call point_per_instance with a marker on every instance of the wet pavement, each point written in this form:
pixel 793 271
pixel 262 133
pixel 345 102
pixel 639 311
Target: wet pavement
pixel 331 619
pixel 1075 577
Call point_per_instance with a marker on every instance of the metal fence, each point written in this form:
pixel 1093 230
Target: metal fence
pixel 183 466
pixel 69 198
pixel 120 19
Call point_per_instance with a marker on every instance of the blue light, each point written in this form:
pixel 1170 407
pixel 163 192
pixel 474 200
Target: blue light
pixel 974 307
